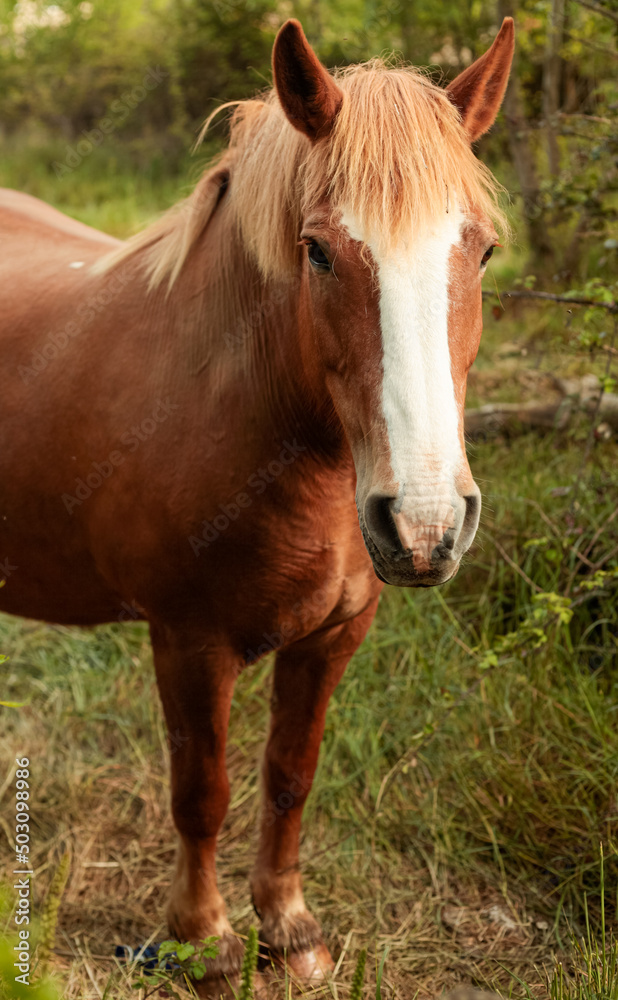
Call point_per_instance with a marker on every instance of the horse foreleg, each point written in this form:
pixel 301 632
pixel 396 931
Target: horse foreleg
pixel 196 682
pixel 306 674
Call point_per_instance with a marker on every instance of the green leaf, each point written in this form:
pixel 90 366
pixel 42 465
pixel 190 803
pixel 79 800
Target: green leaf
pixel 184 951
pixel 167 948
pixel 536 542
pixel 490 659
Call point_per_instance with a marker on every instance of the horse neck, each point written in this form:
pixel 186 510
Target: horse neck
pixel 256 337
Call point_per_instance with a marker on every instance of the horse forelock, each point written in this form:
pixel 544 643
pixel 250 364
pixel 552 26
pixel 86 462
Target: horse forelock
pixel 396 158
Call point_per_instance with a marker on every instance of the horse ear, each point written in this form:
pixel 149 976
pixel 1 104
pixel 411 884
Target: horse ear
pixel 307 92
pixel 477 92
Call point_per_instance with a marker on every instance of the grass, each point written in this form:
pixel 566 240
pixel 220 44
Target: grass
pixel 457 814
pixel 118 188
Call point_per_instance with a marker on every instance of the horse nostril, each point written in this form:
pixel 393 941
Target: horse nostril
pixel 449 539
pixel 445 547
pixel 473 510
pixel 379 520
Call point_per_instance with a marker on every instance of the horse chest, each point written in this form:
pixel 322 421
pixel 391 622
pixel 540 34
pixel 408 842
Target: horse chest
pixel 311 580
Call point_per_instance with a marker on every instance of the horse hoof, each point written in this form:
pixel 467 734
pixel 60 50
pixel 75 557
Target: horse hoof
pixel 312 965
pixel 309 966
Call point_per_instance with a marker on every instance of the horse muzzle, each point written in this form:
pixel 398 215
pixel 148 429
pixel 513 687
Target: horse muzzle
pixel 420 544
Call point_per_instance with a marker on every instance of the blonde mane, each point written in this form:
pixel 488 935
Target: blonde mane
pixel 397 157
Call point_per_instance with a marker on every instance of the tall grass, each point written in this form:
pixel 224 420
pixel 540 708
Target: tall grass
pixel 119 187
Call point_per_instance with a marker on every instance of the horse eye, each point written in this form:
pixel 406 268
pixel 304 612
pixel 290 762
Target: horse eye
pixel 317 257
pixel 486 256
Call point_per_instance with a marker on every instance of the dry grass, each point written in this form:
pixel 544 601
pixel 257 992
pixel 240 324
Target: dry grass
pixel 101 791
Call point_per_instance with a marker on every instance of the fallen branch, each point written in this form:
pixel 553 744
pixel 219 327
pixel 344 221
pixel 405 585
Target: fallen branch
pixel 525 293
pixel 576 395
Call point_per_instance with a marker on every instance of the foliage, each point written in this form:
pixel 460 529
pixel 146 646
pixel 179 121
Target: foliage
pixel 531 633
pixel 178 963
pixel 67 68
pixel 49 919
pixel 249 965
pixel 39 987
pixel 43 989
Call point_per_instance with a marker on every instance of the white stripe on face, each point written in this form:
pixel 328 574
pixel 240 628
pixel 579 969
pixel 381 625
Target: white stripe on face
pixel 418 397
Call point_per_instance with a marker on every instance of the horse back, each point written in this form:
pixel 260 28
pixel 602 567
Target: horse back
pixel 20 212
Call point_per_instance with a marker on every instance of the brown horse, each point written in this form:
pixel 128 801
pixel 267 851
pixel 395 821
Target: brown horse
pixel 194 424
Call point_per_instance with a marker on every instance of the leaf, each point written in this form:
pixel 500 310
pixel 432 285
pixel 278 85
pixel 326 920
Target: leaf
pixel 536 542
pixel 209 947
pixel 167 948
pixel 184 951
pixel 490 659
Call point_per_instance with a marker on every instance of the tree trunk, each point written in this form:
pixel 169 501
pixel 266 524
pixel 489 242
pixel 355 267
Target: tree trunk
pixel 581 395
pixel 541 250
pixel 551 82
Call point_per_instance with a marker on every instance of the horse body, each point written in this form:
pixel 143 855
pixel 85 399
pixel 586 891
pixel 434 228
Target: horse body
pixel 188 424
pixel 92 558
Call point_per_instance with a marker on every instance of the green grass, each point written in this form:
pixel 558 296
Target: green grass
pixel 117 188
pixel 457 815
